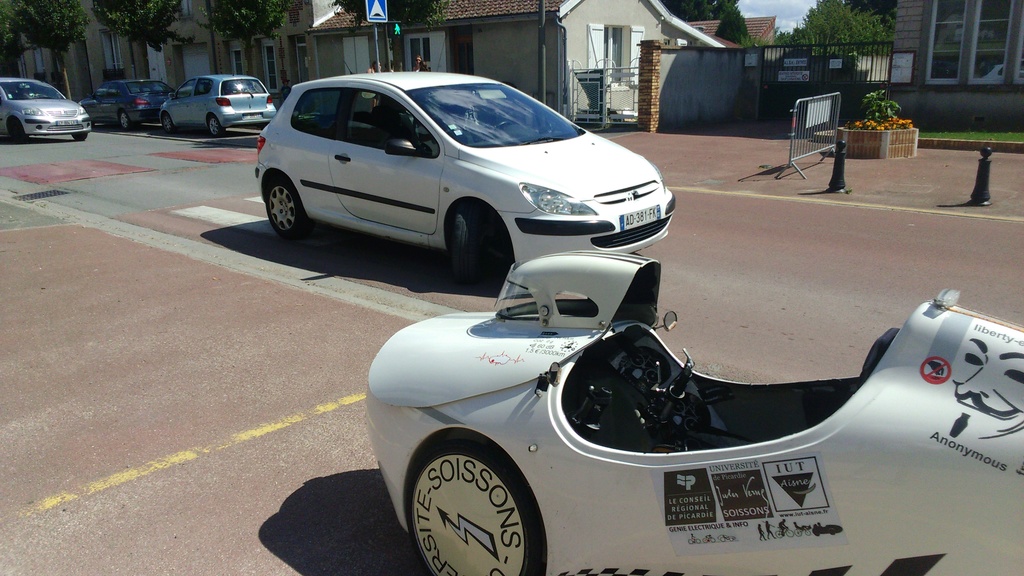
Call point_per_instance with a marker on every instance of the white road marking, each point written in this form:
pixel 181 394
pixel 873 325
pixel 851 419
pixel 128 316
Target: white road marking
pixel 223 217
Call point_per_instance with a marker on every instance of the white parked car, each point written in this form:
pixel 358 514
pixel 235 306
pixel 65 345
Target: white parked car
pixel 34 108
pixel 456 163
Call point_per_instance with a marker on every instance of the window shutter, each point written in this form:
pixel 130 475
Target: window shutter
pixel 595 44
pixel 636 34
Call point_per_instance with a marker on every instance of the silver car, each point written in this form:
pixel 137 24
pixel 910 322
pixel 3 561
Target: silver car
pixel 217 102
pixel 34 108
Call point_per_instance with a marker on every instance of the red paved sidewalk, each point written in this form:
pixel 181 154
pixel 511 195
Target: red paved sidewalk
pixel 750 157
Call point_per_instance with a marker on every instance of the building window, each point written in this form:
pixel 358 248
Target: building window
pixel 1020 50
pixel 971 41
pixel 237 64
pixel 270 64
pixel 993 25
pixel 947 36
pixel 186 8
pixel 111 51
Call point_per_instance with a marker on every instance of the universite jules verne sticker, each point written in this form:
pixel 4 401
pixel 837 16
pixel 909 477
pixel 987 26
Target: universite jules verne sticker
pixel 748 505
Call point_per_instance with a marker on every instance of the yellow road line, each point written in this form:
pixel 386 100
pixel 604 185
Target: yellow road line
pixel 186 456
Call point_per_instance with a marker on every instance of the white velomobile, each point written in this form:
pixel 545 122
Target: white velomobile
pixel 560 436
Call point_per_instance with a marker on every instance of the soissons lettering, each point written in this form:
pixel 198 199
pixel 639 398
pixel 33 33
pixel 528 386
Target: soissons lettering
pixel 466 519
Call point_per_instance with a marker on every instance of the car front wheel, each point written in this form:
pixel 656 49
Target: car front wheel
pixel 285 211
pixel 471 512
pixel 467 241
pixel 16 130
pixel 167 123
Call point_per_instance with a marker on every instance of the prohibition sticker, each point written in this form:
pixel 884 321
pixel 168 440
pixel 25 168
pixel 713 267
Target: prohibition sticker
pixel 936 370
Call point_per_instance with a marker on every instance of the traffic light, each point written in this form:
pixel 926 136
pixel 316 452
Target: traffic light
pixel 398 29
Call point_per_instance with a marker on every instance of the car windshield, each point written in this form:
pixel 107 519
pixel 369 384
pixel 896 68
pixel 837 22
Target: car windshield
pixel 488 115
pixel 29 90
pixel 147 87
pixel 241 86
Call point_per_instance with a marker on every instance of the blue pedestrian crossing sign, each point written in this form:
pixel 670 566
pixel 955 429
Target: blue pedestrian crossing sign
pixel 376 10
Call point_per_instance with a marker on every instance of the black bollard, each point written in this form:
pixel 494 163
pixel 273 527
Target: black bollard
pixel 838 181
pixel 980 196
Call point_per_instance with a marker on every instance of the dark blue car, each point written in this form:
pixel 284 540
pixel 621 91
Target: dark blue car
pixel 127 102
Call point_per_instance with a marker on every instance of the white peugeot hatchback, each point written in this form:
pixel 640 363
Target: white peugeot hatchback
pixel 457 163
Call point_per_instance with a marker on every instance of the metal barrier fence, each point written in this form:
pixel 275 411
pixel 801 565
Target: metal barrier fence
pixel 813 131
pixel 603 95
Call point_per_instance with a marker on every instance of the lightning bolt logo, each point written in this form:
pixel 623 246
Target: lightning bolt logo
pixel 466 528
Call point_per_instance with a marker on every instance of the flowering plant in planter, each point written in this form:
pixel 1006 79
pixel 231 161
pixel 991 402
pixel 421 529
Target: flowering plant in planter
pixel 881 134
pixel 880 113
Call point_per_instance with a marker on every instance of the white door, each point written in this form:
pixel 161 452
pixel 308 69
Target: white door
pixel 432 47
pixel 399 191
pixel 157 64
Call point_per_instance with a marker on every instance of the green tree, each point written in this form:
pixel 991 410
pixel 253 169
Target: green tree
pixel 146 21
pixel 244 20
pixel 52 24
pixel 429 12
pixel 836 22
pixel 10 40
pixel 733 27
pixel 692 10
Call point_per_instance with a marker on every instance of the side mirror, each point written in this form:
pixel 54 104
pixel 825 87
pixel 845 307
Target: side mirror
pixel 670 320
pixel 400 147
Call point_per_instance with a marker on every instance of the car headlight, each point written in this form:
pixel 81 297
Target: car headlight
pixel 554 202
pixel 32 112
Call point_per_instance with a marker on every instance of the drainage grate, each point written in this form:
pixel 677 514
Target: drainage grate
pixel 41 195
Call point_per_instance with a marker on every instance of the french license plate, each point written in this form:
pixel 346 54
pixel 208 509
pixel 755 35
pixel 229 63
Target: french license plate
pixel 639 218
pixel 252 116
pixel 67 122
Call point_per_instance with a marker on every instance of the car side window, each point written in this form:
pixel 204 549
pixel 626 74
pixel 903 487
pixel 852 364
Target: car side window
pixel 316 112
pixel 185 90
pixel 375 118
pixel 203 86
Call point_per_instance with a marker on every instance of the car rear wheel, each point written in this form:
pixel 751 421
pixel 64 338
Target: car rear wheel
pixel 16 130
pixel 214 126
pixel 467 240
pixel 471 512
pixel 167 123
pixel 123 119
pixel 285 211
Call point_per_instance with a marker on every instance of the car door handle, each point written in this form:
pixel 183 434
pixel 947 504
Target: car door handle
pixel 343 158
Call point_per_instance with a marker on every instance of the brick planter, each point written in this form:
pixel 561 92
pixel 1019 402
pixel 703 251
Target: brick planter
pixel 879 143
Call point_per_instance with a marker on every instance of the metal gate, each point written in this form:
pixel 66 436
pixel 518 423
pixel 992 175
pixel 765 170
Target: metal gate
pixel 789 73
pixel 604 94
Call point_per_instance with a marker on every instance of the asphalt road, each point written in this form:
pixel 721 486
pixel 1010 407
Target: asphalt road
pixel 181 391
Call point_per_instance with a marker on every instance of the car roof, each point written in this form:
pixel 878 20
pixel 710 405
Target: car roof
pixel 402 80
pixel 14 79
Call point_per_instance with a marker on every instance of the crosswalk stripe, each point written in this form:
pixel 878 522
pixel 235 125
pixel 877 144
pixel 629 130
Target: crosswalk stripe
pixel 255 199
pixel 222 217
pixel 248 222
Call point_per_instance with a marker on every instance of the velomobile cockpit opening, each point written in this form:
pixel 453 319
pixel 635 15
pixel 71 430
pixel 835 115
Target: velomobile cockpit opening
pixel 628 392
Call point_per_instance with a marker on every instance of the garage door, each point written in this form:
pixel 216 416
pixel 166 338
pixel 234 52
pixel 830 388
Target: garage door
pixel 197 61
